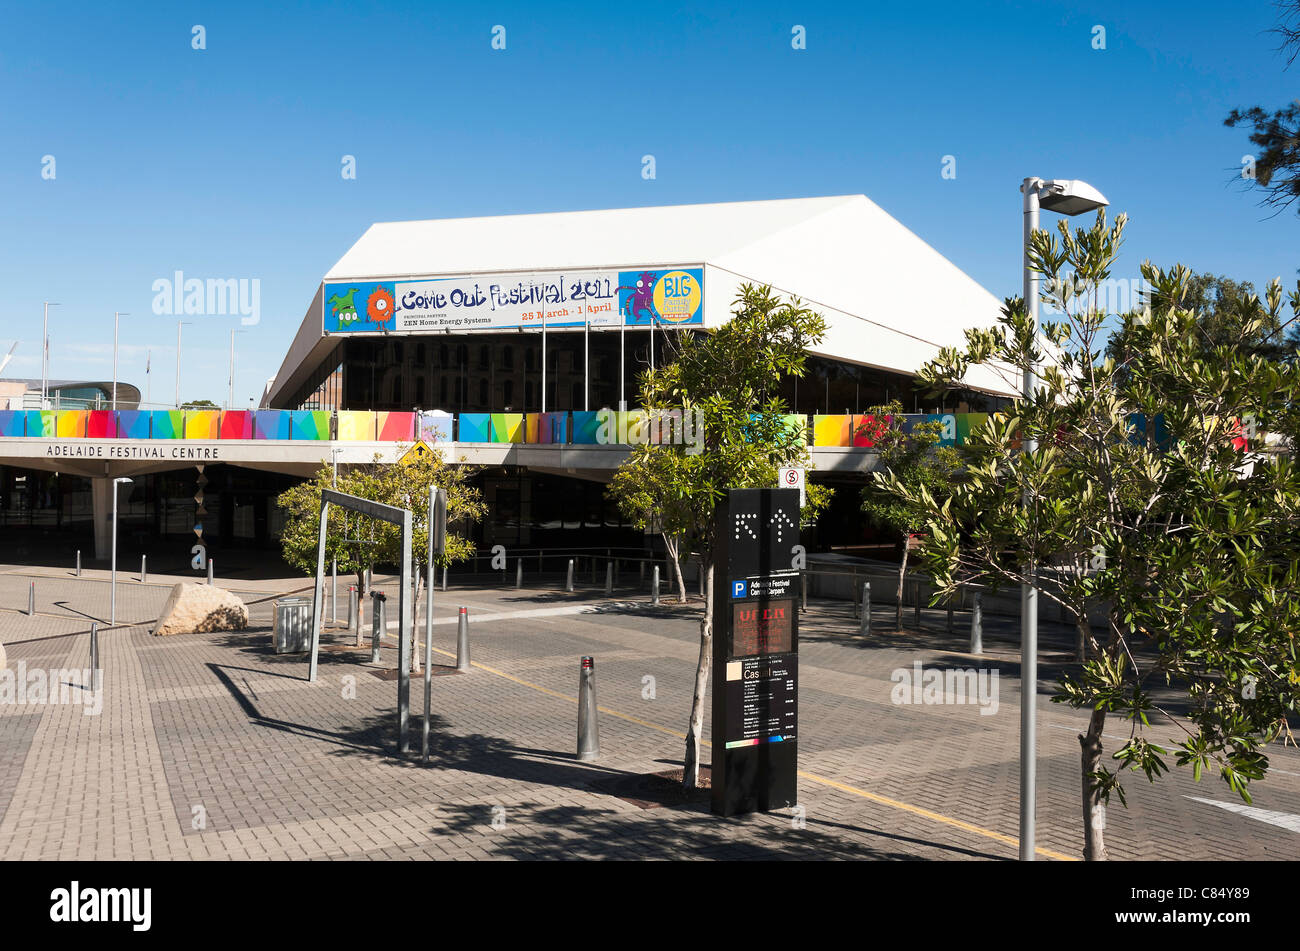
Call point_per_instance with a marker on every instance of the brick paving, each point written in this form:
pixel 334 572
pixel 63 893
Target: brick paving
pixel 213 747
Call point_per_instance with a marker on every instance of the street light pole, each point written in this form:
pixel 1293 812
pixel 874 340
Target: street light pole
pixel 45 352
pixel 112 610
pixel 179 325
pixel 1066 197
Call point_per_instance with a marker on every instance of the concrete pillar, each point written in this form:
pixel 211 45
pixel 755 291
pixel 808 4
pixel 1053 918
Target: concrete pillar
pixel 101 507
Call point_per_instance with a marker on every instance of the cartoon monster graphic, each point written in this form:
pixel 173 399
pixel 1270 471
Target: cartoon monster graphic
pixel 379 308
pixel 343 308
pixel 642 299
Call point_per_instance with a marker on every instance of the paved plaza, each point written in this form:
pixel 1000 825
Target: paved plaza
pixel 211 746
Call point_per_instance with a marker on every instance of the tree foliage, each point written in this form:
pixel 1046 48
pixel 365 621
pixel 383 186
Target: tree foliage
pixel 1152 503
pixel 728 378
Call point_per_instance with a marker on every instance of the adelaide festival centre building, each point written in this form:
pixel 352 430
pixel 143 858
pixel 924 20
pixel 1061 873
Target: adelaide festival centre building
pixel 500 341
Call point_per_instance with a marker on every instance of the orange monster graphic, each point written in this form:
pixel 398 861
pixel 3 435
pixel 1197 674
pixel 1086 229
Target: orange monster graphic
pixel 380 307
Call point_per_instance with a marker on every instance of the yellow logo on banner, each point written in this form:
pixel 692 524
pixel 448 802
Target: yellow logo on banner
pixel 677 296
pixel 416 453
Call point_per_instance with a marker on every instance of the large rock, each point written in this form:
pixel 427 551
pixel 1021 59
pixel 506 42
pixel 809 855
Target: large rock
pixel 200 608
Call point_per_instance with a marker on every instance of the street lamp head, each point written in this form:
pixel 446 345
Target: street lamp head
pixel 1067 196
pixel 121 480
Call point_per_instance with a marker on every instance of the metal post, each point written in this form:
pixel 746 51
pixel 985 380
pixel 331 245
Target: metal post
pixel 112 582
pixel 462 640
pixel 654 586
pixel 31 600
pixel 405 634
pixel 519 573
pixel 334 591
pixel 144 569
pixel 444 577
pixel 437 531
pixel 1028 593
pixel 803 591
pixel 78 562
pixel 864 625
pixel 609 578
pixel 94 655
pixel 568 579
pixel 352 608
pixel 977 625
pixel 378 622
pixel 588 728
pixel 211 563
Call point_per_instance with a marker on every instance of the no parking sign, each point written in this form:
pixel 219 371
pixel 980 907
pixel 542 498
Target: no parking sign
pixel 790 478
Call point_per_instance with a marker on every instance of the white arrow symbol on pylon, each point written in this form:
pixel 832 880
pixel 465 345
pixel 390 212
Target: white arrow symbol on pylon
pixel 1286 820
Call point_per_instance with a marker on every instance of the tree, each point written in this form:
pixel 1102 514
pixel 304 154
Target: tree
pixel 1189 530
pixel 726 380
pixel 915 458
pixel 1276 134
pixel 1217 302
pixel 357 542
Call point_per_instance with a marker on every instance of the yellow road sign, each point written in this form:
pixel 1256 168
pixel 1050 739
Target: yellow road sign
pixel 417 452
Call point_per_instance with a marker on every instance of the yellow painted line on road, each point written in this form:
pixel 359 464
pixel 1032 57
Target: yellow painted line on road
pixel 842 787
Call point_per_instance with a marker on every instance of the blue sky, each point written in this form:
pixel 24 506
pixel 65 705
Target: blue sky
pixel 225 162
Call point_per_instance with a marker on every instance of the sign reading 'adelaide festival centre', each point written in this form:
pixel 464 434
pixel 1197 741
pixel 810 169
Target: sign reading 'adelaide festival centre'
pixel 756 652
pixel 663 297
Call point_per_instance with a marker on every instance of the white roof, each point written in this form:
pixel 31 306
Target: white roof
pixel 889 298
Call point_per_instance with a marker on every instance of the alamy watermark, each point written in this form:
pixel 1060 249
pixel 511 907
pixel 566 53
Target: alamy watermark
pixel 61 686
pixel 670 427
pixel 935 687
pixel 213 297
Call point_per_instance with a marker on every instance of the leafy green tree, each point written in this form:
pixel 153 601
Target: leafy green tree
pixel 1276 134
pixel 357 542
pixel 728 380
pixel 1189 529
pixel 915 459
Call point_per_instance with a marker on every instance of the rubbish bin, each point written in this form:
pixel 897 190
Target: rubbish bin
pixel 292 625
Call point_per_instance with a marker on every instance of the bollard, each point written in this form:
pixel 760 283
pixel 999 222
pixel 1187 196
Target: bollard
pixel 462 640
pixel 519 573
pixel 588 728
pixel 78 562
pixel 210 569
pixel 352 608
pixel 977 625
pixel 803 591
pixel 334 592
pixel 864 625
pixel 94 655
pixel 378 622
pixel 568 579
pixel 444 577
pixel 144 570
pixel 609 578
pixel 703 592
pixel 31 600
pixel 654 586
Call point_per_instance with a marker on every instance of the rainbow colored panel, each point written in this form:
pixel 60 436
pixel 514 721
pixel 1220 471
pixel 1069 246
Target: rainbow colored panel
pixel 553 428
pixel 436 427
pixel 797 422
pixel 271 424
pixel 533 428
pixel 948 434
pixel 968 423
pixel 12 423
pixel 868 429
pixel 202 423
pixel 168 423
pixel 132 424
pixel 507 427
pixel 357 425
pixel 832 430
pixel 585 424
pixel 309 424
pixel 395 426
pixel 101 424
pixel 475 427
pixel 236 424
pixel 70 423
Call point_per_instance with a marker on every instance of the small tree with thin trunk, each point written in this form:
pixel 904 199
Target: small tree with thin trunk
pixel 1190 526
pixel 357 542
pixel 727 381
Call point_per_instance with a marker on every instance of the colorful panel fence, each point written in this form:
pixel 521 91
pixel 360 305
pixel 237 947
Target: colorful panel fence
pixel 168 424
pixel 507 427
pixel 12 423
pixel 271 424
pixel 132 424
pixel 236 424
pixel 202 423
pixel 101 424
pixel 475 427
pixel 436 427
pixel 309 424
pixel 356 425
pixel 395 427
